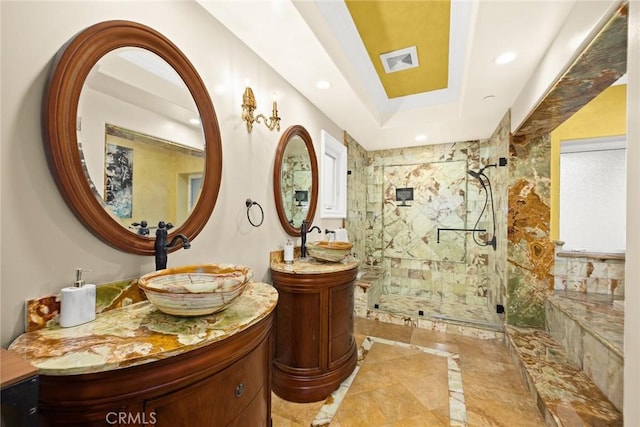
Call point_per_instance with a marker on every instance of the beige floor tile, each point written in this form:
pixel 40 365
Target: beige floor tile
pixel 396 402
pixel 360 410
pixel 383 330
pixel 425 419
pixel 297 413
pixel 398 387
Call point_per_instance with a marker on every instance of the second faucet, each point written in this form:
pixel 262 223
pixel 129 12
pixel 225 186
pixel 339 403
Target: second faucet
pixel 303 237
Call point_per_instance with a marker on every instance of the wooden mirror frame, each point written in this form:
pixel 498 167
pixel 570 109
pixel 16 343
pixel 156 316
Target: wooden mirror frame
pixel 70 69
pixel 295 130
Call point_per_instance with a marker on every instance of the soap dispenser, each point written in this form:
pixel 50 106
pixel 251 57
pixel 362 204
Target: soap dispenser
pixel 77 302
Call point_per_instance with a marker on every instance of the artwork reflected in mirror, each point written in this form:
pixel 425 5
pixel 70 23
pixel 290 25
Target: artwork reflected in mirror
pixel 148 166
pixel 134 162
pixel 295 179
pixel 118 180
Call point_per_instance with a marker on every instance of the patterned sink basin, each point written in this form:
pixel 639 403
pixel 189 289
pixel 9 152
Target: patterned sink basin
pixel 195 290
pixel 329 251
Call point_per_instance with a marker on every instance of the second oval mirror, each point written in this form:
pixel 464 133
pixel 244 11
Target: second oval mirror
pixel 295 179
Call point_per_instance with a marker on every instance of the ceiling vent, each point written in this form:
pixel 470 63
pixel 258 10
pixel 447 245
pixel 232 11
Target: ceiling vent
pixel 399 60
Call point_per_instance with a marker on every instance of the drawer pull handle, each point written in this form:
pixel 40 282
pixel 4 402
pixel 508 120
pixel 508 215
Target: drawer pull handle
pixel 239 389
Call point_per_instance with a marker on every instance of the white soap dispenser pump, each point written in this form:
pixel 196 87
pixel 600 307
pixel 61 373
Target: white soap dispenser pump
pixel 77 302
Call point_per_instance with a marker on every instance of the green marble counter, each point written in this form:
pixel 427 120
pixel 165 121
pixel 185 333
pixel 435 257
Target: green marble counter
pixel 312 266
pixel 138 334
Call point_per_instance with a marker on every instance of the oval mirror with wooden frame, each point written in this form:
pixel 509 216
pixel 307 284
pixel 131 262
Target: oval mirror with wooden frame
pixel 295 179
pixel 60 117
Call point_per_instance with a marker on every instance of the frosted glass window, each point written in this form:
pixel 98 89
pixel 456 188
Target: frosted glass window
pixel 593 195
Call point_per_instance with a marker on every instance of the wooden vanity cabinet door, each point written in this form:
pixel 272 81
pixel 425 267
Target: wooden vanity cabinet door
pixel 219 399
pixel 340 322
pixel 315 349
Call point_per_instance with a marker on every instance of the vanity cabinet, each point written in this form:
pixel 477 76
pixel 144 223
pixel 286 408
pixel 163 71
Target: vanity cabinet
pixel 315 348
pixel 223 384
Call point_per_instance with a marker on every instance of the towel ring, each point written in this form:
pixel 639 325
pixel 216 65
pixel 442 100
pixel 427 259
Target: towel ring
pixel 249 204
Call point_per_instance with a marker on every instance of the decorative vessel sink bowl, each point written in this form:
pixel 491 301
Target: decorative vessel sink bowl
pixel 329 251
pixel 195 290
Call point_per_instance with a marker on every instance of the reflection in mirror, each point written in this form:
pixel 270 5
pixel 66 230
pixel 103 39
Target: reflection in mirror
pixel 143 168
pixel 131 103
pixel 295 179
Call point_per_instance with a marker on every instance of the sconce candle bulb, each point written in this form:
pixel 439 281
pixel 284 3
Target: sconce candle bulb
pixel 248 108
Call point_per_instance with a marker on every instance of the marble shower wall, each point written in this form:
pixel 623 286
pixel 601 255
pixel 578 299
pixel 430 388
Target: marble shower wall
pixel 457 269
pixel 530 252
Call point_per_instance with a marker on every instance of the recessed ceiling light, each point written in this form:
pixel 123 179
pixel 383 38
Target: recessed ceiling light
pixel 489 98
pixel 505 58
pixel 421 137
pixel 194 121
pixel 323 84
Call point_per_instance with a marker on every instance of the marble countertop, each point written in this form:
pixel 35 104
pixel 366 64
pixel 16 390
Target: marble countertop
pixel 312 266
pixel 138 334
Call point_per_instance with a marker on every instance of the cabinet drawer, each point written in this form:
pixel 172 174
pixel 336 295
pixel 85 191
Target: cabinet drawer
pixel 340 346
pixel 341 299
pixel 217 399
pixel 341 323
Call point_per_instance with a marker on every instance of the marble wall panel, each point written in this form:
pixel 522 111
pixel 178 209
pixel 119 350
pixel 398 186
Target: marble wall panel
pixel 568 333
pixel 590 272
pixel 410 228
pixel 458 269
pixel 530 252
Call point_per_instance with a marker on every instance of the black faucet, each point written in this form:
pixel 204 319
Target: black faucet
pixel 303 237
pixel 161 245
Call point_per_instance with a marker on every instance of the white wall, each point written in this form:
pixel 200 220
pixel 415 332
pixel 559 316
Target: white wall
pixel 42 241
pixel 632 272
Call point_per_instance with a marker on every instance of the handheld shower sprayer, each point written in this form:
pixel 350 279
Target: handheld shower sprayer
pixel 480 176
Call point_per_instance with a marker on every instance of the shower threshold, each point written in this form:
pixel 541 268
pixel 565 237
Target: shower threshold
pixel 438 310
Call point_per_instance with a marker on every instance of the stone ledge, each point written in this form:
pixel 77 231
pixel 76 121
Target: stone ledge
pixel 565 395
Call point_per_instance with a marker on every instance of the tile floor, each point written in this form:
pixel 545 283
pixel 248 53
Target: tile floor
pixel 415 377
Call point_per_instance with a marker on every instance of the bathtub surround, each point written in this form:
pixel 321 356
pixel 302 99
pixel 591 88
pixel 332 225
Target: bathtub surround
pixel 588 272
pixel 564 394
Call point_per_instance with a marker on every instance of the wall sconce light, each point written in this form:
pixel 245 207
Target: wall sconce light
pixel 249 106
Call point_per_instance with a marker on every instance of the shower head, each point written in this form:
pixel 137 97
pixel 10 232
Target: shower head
pixel 474 174
pixel 478 176
pixel 487 166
